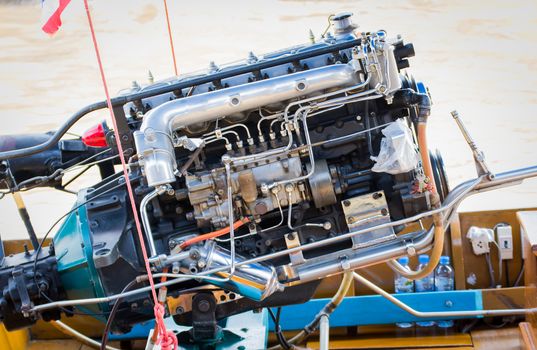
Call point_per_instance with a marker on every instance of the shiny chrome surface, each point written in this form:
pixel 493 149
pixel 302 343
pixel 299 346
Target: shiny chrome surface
pixel 154 140
pixel 370 256
pixel 254 281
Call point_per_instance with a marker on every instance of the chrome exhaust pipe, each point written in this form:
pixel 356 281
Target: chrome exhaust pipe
pixel 154 139
pixel 255 281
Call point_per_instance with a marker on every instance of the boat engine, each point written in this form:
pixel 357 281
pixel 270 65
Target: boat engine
pixel 254 181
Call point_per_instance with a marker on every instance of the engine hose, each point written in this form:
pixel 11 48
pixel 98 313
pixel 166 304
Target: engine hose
pixel 213 234
pixel 436 253
pixel 53 140
pixel 336 300
pixel 426 161
pixel 438 244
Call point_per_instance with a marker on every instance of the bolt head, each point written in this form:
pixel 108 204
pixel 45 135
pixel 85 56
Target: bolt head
pixel 204 306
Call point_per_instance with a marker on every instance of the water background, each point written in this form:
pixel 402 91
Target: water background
pixel 478 57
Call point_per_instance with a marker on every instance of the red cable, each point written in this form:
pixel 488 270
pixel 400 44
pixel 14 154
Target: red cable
pixel 171 37
pixel 165 340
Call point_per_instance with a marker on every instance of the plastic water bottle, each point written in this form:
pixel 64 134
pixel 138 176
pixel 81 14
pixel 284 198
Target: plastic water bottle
pixel 403 285
pixel 426 284
pixel 443 280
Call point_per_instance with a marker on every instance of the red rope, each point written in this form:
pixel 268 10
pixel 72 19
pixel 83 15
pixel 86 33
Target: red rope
pixel 171 37
pixel 164 337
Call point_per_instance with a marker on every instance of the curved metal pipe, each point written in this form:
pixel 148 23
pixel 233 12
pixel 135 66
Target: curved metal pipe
pixel 145 219
pixel 67 330
pixel 154 142
pixel 439 314
pixel 341 260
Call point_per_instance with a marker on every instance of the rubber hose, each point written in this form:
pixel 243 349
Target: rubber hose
pixel 53 140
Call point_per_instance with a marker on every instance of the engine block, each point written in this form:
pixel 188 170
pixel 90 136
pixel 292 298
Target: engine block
pixel 254 181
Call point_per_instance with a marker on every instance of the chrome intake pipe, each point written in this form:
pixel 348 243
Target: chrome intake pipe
pixel 408 244
pixel 154 139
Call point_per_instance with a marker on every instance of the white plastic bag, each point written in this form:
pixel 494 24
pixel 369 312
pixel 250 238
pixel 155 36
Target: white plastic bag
pixel 397 151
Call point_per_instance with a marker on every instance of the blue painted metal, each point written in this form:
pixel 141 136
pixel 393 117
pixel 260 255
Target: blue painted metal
pixel 74 254
pixel 361 310
pixel 248 330
pixel 139 331
pixel 421 87
pixel 375 309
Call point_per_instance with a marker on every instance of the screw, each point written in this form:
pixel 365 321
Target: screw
pixel 202 263
pixel 449 303
pixel 179 310
pixel 346 203
pixel 194 254
pixel 411 250
pixel 377 195
pixel 204 306
pixel 384 211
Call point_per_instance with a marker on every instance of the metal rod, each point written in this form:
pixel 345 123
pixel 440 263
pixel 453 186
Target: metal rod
pixel 65 329
pixel 145 219
pixel 368 256
pixel 479 156
pixel 324 332
pixel 25 217
pixel 439 314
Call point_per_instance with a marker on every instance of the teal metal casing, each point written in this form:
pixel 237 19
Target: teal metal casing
pixel 74 253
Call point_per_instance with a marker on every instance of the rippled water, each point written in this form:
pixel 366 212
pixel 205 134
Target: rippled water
pixel 477 57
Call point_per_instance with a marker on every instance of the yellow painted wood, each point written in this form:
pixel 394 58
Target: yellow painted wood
pixel 364 342
pixel 15 340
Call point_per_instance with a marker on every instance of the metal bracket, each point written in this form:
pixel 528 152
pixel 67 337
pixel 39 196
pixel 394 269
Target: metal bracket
pixel 190 144
pixel 204 324
pixel 366 211
pixel 26 303
pixel 124 131
pixel 292 241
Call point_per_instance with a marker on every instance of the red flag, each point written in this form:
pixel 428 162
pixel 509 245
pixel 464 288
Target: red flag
pixel 54 22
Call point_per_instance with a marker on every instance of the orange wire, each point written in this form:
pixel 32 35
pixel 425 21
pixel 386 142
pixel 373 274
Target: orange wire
pixel 213 234
pixel 171 37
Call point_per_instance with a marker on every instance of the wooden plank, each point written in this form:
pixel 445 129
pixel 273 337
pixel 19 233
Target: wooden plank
pixel 394 342
pixel 529 234
pixel 504 298
pixel 64 344
pixel 474 265
pixel 457 253
pixel 528 221
pixel 530 342
pixel 504 339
